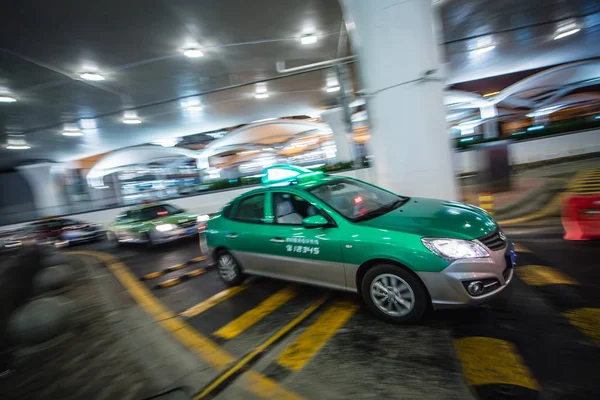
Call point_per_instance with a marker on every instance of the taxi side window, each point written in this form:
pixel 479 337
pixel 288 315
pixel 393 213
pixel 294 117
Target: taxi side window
pixel 290 209
pixel 251 209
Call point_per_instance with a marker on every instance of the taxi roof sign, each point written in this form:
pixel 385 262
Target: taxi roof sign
pixel 285 174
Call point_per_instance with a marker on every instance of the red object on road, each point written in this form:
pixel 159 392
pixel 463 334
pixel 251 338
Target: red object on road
pixel 581 217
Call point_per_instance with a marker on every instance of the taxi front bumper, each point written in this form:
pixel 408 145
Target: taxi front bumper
pixel 448 288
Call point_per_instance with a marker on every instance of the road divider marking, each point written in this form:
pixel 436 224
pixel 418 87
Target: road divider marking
pixel 488 361
pixel 587 320
pixel 541 275
pixel 297 354
pixel 173 268
pixel 251 317
pixel 225 378
pixel 213 301
pixel 204 348
pixel 179 279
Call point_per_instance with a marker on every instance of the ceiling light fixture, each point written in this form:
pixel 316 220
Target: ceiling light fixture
pixel 261 95
pixel 193 52
pixel 484 49
pixel 17 142
pixel 7 99
pixel 71 130
pixel 566 33
pixel 309 39
pixel 491 94
pixel 566 28
pixel 92 76
pixel 332 89
pixel 192 104
pixel 131 118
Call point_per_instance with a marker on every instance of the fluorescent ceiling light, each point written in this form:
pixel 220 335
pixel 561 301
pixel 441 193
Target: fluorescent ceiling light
pixel 193 53
pixel 261 95
pixel 544 111
pixel 490 94
pixel 72 133
pixel 7 99
pixel 263 120
pixel 132 121
pixel 332 89
pixel 92 76
pixel 566 33
pixel 17 142
pixel 485 49
pixel 309 39
pixel 196 107
pixel 167 142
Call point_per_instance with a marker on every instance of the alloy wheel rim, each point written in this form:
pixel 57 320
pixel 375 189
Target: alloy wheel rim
pixel 227 267
pixel 392 295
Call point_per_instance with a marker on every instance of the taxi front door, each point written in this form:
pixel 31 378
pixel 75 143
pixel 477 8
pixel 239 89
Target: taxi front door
pixel 306 255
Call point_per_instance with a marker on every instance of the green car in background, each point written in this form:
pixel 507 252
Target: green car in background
pixel 401 254
pixel 155 223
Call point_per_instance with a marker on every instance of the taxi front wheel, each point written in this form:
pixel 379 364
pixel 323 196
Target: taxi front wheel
pixel 228 268
pixel 394 294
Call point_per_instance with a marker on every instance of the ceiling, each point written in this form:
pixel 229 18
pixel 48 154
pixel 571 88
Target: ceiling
pixel 137 46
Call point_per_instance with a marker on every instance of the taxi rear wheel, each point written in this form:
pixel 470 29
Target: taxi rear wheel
pixel 228 268
pixel 394 294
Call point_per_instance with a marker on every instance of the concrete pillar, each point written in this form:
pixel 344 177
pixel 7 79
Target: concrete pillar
pixel 46 193
pixel 489 128
pixel 400 73
pixel 335 118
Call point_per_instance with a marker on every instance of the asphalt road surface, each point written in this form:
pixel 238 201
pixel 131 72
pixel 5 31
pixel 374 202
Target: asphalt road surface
pixel 539 339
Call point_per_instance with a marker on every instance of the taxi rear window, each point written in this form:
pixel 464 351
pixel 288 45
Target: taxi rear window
pixel 251 209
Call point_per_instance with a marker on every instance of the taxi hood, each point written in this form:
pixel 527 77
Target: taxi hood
pixel 436 218
pixel 175 218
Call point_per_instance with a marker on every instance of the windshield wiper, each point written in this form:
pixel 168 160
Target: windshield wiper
pixel 382 210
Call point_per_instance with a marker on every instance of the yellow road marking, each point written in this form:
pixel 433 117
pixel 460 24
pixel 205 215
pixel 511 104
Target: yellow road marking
pixel 251 317
pixel 552 208
pixel 169 283
pixel 199 259
pixel 176 267
pixel 153 275
pixel 196 272
pixel 296 355
pixel 486 198
pixel 587 320
pixel 213 301
pixel 541 275
pixel 487 361
pixel 259 349
pixel 521 249
pixel 203 347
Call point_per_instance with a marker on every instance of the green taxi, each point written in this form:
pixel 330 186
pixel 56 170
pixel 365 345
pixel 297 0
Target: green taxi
pixel 400 254
pixel 155 223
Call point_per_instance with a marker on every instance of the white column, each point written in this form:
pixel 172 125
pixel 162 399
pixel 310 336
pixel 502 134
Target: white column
pixel 335 119
pixel 490 128
pixel 396 45
pixel 45 190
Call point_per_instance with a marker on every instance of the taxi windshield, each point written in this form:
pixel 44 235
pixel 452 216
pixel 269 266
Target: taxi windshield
pixel 355 200
pixel 148 213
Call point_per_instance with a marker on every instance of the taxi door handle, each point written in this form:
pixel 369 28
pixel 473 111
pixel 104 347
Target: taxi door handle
pixel 232 236
pixel 277 240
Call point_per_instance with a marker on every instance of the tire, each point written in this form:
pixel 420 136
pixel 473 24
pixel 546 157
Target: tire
pixel 409 298
pixel 149 242
pixel 228 268
pixel 112 238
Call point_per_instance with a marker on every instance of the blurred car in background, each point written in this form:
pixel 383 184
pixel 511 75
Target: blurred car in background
pixel 60 232
pixel 155 223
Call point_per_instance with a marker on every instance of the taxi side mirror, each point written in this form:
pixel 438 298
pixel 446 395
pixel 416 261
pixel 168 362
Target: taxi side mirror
pixel 315 221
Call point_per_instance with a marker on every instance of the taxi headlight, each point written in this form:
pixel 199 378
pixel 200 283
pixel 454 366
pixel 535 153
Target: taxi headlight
pixel 202 218
pixel 165 227
pixel 455 249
